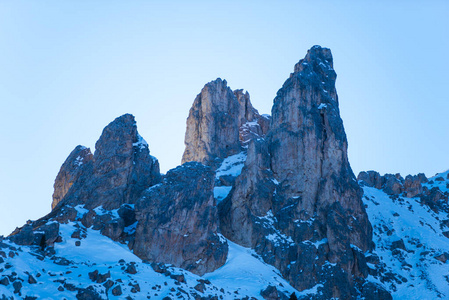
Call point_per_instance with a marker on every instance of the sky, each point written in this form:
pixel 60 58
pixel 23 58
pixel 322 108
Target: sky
pixel 68 68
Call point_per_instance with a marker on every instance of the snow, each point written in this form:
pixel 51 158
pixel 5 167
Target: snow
pixel 442 185
pixel 279 238
pixel 420 275
pixel 81 210
pixel 78 161
pixel 244 272
pixel 141 143
pixel 131 228
pixel 322 105
pixel 221 192
pixel 232 165
pixel 95 247
pixel 101 211
pixel 317 243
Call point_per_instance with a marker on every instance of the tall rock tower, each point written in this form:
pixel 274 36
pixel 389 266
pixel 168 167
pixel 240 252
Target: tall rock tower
pixel 220 123
pixel 297 201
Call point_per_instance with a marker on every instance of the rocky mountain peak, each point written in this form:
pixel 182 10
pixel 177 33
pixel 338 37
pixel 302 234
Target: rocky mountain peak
pixel 315 58
pixel 120 169
pixel 214 126
pixel 281 186
pixel 297 188
pixel 117 138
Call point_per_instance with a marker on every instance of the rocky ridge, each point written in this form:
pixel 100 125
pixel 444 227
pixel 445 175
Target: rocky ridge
pixel 279 185
pixel 411 233
pixel 120 169
pixel 433 193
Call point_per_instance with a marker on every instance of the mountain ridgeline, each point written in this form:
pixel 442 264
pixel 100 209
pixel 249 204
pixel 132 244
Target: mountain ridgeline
pixel 280 186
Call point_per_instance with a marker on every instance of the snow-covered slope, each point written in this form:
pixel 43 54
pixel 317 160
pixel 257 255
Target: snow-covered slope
pixel 413 252
pixel 96 266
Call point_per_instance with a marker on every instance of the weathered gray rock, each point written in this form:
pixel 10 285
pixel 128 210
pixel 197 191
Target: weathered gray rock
pixel 69 172
pixel 308 148
pixel 393 184
pixel 117 174
pixel 242 214
pixel 120 170
pixel 214 123
pixel 38 233
pixel 413 185
pixel 178 221
pixel 371 179
pixel 434 198
pixel 297 199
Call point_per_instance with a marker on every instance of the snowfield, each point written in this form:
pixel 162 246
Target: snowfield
pixel 59 276
pixel 409 238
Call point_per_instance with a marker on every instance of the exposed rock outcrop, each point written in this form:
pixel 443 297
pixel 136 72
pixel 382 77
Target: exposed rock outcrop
pixel 121 168
pixel 395 184
pixel 435 197
pixel 178 221
pixel 69 172
pixel 297 199
pixel 214 126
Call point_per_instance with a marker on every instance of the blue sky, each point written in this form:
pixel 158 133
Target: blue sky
pixel 68 68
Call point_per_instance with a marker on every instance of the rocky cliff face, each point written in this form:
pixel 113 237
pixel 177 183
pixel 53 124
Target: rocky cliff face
pixel 180 219
pixel 219 123
pixel 119 192
pixel 121 168
pixel 297 199
pixel 69 172
pixel 280 185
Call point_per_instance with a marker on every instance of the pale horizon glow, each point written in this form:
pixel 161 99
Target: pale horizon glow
pixel 68 68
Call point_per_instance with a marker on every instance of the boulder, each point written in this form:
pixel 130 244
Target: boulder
pixel 371 179
pixel 393 184
pixel 413 185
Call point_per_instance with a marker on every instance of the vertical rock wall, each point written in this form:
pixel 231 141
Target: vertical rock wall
pixel 297 202
pixel 69 172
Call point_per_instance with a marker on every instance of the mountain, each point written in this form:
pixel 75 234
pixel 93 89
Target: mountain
pixel 262 207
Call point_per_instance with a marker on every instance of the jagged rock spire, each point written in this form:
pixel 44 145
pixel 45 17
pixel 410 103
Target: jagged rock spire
pixel 121 168
pixel 214 126
pixel 297 201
